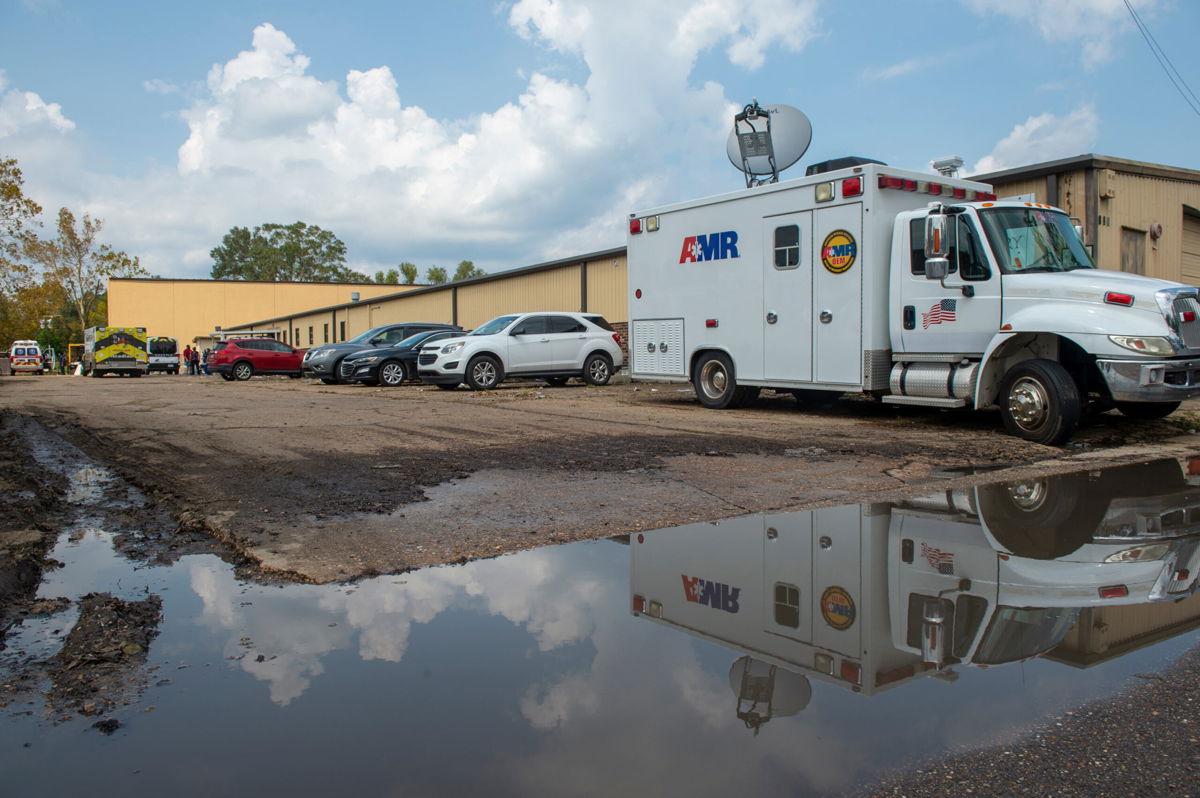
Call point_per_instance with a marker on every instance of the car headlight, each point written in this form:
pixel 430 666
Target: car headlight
pixel 450 349
pixel 1151 551
pixel 320 354
pixel 1146 345
pixel 362 361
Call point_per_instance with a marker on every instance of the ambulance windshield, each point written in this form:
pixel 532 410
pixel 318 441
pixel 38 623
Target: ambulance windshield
pixel 1017 633
pixel 1034 240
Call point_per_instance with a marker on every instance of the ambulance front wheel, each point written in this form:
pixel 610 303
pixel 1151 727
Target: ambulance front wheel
pixel 1040 402
pixel 715 384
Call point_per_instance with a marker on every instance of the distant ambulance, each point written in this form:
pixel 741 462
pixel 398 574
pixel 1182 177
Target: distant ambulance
pixel 25 357
pixel 115 350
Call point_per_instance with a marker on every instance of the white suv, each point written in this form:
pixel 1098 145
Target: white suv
pixel 553 346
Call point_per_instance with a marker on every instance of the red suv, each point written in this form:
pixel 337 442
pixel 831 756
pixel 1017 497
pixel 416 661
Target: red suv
pixel 242 358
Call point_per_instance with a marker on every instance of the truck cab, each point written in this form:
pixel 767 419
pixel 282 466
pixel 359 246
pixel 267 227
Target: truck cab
pixel 914 288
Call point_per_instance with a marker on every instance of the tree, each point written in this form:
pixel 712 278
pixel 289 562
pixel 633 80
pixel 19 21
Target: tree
pixel 18 216
pixel 390 277
pixel 80 265
pixel 409 271
pixel 436 275
pixel 466 270
pixel 282 253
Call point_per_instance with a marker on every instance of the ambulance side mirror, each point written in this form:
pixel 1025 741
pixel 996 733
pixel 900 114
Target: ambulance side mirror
pixel 937 247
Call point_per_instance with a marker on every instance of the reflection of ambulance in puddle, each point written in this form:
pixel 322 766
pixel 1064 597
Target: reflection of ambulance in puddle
pixel 875 595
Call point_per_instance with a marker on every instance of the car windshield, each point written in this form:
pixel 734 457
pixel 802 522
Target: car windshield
pixel 363 338
pixel 1021 632
pixel 413 340
pixel 1034 240
pixel 495 325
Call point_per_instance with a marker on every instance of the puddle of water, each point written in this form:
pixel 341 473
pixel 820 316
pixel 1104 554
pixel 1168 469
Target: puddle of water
pixel 768 654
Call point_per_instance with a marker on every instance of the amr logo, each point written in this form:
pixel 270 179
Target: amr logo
pixel 714 246
pixel 714 594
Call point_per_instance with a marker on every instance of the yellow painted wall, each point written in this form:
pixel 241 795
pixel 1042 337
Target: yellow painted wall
pixel 608 288
pixel 187 309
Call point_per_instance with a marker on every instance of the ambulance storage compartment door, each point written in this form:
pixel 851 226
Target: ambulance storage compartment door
pixel 788 575
pixel 656 347
pixel 837 295
pixel 787 297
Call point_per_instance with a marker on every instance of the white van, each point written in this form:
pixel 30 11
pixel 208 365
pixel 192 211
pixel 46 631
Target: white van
pixel 25 357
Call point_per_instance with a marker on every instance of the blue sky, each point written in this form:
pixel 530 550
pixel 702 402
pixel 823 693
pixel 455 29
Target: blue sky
pixel 510 133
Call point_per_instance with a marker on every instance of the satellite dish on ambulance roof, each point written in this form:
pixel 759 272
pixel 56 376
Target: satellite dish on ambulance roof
pixel 765 140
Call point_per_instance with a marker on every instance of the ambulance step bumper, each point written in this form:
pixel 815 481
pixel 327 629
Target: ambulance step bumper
pixel 924 401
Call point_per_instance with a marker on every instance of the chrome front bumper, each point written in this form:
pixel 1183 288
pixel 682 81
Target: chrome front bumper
pixel 1151 381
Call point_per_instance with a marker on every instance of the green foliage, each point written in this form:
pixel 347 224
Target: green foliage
pixel 80 265
pixel 409 271
pixel 466 270
pixel 18 217
pixel 390 277
pixel 436 275
pixel 282 253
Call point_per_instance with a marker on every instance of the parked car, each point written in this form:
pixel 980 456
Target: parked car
pixel 242 358
pixel 324 362
pixel 390 365
pixel 552 346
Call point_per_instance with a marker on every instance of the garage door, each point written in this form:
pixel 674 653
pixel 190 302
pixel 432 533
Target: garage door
pixel 1191 247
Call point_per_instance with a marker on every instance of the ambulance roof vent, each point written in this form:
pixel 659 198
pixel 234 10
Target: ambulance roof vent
pixel 765 140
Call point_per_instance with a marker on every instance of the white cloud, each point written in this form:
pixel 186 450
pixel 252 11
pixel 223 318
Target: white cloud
pixel 1094 24
pixel 159 86
pixel 898 70
pixel 1045 137
pixel 24 113
pixel 268 141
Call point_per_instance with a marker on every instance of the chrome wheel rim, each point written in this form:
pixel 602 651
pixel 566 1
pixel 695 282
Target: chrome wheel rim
pixel 392 374
pixel 242 372
pixel 713 379
pixel 484 374
pixel 1028 403
pixel 598 370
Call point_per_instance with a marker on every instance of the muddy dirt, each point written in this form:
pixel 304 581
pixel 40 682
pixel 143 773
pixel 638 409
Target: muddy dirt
pixel 327 483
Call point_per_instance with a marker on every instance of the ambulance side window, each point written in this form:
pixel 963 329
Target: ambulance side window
pixel 787 246
pixel 787 605
pixel 965 251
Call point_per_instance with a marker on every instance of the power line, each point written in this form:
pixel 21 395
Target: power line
pixel 1160 55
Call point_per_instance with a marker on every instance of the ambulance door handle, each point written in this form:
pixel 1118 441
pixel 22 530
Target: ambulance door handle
pixel 826 317
pixel 772 318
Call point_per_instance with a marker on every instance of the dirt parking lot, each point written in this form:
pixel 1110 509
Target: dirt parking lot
pixel 327 483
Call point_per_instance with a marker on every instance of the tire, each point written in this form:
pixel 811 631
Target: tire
pixel 242 370
pixel 557 382
pixel 392 373
pixel 1147 411
pixel 715 384
pixel 483 373
pixel 1040 402
pixel 1043 518
pixel 597 369
pixel 225 375
pixel 447 386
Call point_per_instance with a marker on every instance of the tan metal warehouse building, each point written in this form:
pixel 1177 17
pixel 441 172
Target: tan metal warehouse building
pixel 593 283
pixel 1138 217
pixel 191 309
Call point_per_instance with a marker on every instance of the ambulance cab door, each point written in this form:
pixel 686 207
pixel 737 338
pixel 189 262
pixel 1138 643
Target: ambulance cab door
pixel 787 292
pixel 960 314
pixel 837 295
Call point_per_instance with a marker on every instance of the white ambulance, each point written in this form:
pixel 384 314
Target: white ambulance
pixel 25 357
pixel 873 596
pixel 916 288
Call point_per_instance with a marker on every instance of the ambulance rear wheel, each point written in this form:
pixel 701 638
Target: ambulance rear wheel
pixel 715 384
pixel 1040 402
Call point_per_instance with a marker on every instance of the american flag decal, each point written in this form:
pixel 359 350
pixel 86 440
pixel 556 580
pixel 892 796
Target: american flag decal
pixel 941 561
pixel 940 312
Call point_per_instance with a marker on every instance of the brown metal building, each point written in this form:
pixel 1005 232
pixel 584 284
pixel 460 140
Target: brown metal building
pixel 1137 217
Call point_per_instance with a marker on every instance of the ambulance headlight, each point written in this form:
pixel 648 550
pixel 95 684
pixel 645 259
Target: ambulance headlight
pixel 1146 345
pixel 1151 551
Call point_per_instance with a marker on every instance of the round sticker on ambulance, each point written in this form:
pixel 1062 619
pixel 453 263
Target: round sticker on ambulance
pixel 838 251
pixel 837 608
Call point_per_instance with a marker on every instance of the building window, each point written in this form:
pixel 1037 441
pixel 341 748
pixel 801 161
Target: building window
pixel 310 340
pixel 341 330
pixel 325 332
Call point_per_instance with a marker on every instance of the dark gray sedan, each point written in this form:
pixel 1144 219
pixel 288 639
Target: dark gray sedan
pixel 390 365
